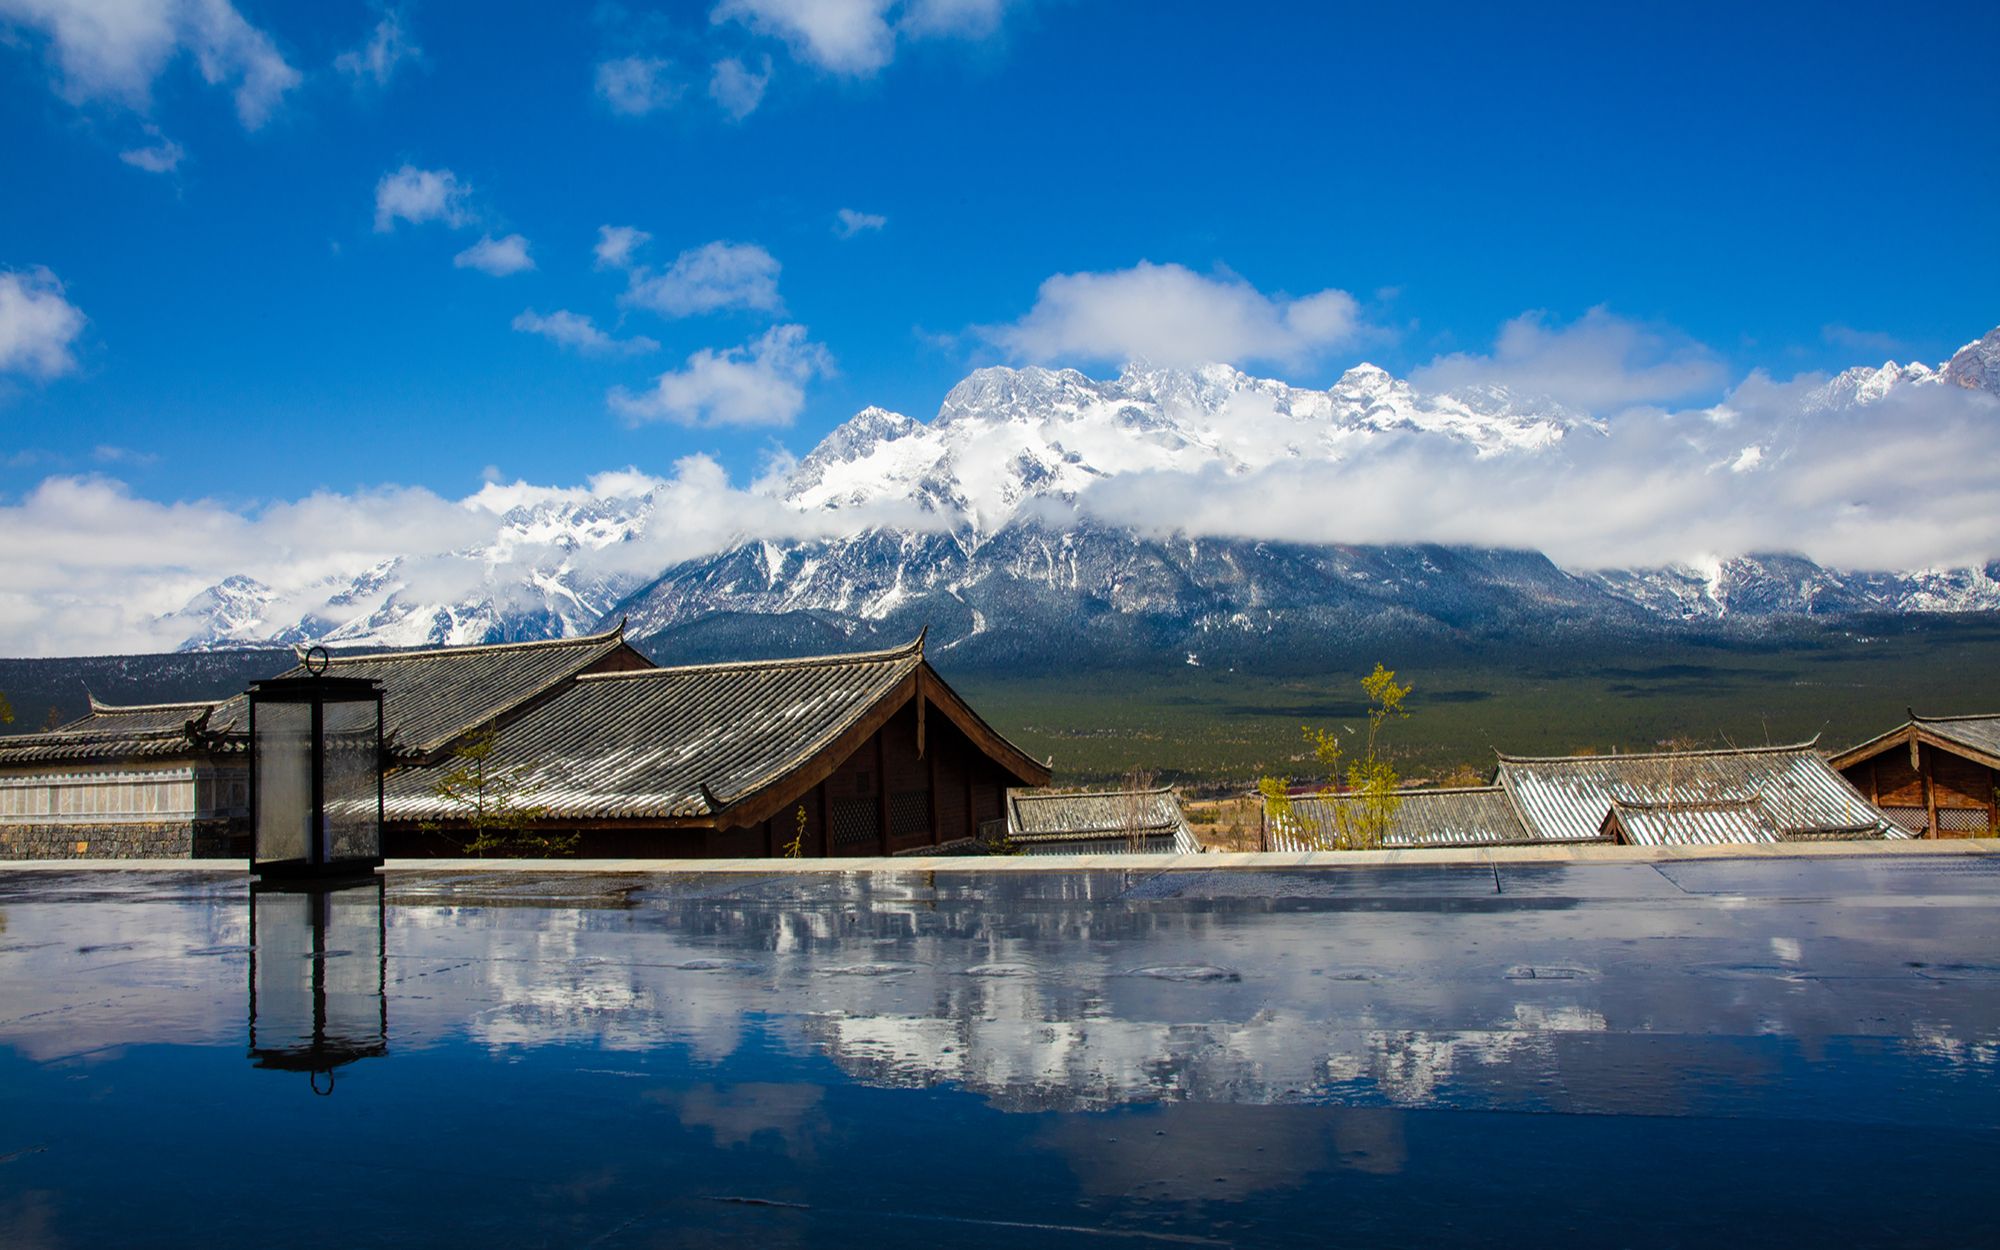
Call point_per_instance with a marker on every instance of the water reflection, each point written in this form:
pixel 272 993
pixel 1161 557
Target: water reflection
pixel 1209 1056
pixel 319 966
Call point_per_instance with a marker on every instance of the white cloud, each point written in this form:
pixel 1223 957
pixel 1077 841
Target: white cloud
pixel 1598 362
pixel 761 383
pixel 113 51
pixel 848 223
pixel 580 333
pixel 634 86
pixel 38 326
pixel 498 257
pixel 91 569
pixel 615 245
pixel 1170 315
pixel 1874 486
pixel 859 37
pixel 387 48
pixel 736 87
pixel 162 156
pixel 710 278
pixel 420 195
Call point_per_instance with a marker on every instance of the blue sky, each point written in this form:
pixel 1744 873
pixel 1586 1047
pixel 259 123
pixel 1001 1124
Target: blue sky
pixel 1787 187
pixel 298 291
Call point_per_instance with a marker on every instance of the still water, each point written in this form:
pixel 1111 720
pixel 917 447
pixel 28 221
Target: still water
pixel 1603 1055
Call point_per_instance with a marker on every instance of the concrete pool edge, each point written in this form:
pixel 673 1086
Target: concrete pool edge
pixel 1457 856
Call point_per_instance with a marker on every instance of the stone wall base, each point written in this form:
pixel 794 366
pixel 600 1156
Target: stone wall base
pixel 167 839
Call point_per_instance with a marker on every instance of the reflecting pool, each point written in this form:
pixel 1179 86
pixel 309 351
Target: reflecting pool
pixel 1603 1054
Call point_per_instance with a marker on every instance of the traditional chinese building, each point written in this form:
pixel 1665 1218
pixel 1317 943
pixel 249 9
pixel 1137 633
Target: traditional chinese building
pixel 1098 822
pixel 1936 776
pixel 1655 798
pixel 865 754
pixel 163 780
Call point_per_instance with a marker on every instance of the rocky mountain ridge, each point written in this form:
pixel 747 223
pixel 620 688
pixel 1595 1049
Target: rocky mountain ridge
pixel 970 522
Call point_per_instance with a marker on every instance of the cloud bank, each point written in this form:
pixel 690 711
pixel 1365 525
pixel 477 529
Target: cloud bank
pixel 1879 486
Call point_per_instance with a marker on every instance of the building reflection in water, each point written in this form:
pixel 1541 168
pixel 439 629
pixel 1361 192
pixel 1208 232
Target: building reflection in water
pixel 318 977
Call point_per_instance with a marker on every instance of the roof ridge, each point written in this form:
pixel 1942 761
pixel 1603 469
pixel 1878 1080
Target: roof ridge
pixel 1090 794
pixel 119 708
pixel 1416 792
pixel 1933 720
pixel 1807 745
pixel 909 650
pixel 1650 805
pixel 89 735
pixel 526 644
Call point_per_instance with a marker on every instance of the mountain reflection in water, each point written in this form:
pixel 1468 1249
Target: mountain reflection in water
pixel 1226 1056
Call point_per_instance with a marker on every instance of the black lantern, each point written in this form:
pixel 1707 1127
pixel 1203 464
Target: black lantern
pixel 318 976
pixel 315 774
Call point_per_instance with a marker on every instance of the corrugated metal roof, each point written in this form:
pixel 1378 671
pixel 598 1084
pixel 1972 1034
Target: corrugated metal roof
pixel 1119 844
pixel 1459 816
pixel 431 697
pixel 1723 823
pixel 646 743
pixel 143 731
pixel 1042 821
pixel 1566 798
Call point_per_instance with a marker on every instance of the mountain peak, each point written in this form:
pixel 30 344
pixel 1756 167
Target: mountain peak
pixel 1976 366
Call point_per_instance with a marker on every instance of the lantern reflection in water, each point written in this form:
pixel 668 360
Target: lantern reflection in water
pixel 318 977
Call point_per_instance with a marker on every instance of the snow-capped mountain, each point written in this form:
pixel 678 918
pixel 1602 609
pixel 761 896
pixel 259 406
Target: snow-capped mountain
pixel 976 523
pixel 1006 437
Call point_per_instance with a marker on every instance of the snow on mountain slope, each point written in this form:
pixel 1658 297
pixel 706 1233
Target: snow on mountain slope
pixel 954 516
pixel 1004 437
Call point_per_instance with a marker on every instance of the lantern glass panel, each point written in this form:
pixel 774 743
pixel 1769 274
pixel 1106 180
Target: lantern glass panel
pixel 284 780
pixel 353 827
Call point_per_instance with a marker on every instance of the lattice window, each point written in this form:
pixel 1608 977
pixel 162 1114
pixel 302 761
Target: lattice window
pixel 854 823
pixel 1964 820
pixel 909 813
pixel 1915 819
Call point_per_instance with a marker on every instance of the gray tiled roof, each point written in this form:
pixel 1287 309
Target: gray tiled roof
pixel 1468 816
pixel 1035 817
pixel 147 731
pixel 431 697
pixel 647 743
pixel 1981 733
pixel 1566 798
pixel 1975 736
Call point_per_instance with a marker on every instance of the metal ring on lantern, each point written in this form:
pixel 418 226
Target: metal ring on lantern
pixel 317 659
pixel 314 1078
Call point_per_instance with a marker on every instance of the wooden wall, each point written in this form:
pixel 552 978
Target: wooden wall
pixel 1942 781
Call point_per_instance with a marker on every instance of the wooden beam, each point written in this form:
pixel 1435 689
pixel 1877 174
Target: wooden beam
pixel 882 790
pixel 937 835
pixel 1930 787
